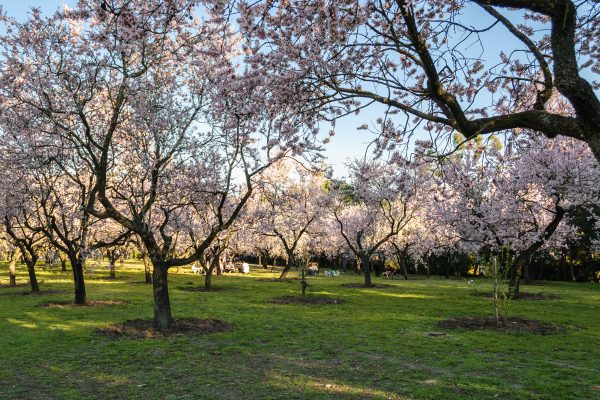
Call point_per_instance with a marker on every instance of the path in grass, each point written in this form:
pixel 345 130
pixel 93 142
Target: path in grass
pixel 374 345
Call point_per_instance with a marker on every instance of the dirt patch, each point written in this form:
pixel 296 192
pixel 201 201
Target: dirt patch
pixel 91 303
pixel 28 292
pixel 508 325
pixel 523 296
pixel 362 286
pixel 199 288
pixel 144 328
pixel 305 300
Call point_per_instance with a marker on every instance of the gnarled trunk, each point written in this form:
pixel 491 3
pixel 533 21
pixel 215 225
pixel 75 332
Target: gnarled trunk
pixel 162 305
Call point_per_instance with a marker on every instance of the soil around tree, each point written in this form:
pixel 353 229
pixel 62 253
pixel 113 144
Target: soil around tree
pixel 144 328
pixel 524 296
pixel 362 286
pixel 316 300
pixel 514 324
pixel 200 288
pixel 90 303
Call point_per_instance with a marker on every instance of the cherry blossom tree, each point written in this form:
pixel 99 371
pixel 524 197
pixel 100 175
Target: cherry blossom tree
pixel 431 65
pixel 18 217
pixel 517 197
pixel 376 210
pixel 93 80
pixel 291 200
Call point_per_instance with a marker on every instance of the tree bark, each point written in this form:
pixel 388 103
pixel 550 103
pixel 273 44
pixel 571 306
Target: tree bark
pixel 162 305
pixel 77 267
pixel 365 264
pixel 147 271
pixel 303 283
pixel 208 280
pixel 572 270
pixel 35 287
pixel 12 272
pixel 288 265
pixel 527 273
pixel 112 274
pixel 515 277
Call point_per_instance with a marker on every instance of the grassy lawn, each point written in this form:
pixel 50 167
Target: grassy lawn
pixel 373 346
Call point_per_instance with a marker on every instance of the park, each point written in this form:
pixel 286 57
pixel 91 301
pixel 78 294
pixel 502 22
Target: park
pixel 343 199
pixel 379 343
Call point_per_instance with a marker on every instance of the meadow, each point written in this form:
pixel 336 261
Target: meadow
pixel 381 343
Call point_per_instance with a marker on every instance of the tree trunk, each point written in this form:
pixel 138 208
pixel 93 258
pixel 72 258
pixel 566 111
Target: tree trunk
pixel 274 263
pixel 303 283
pixel 527 273
pixel 162 305
pixel 404 271
pixel 63 265
pixel 289 264
pixel 219 265
pixel 111 263
pixel 495 290
pixel 12 272
pixel 77 267
pixel 208 280
pixel 572 269
pixel 264 262
pixel 147 271
pixel 365 264
pixel 515 276
pixel 35 287
pixel 427 267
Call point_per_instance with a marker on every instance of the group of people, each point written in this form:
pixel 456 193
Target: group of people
pixel 227 266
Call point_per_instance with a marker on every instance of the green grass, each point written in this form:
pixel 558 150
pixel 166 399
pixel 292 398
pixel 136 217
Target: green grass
pixel 373 346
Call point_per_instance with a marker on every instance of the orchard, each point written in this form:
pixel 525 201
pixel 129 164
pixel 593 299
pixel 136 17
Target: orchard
pixel 223 199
